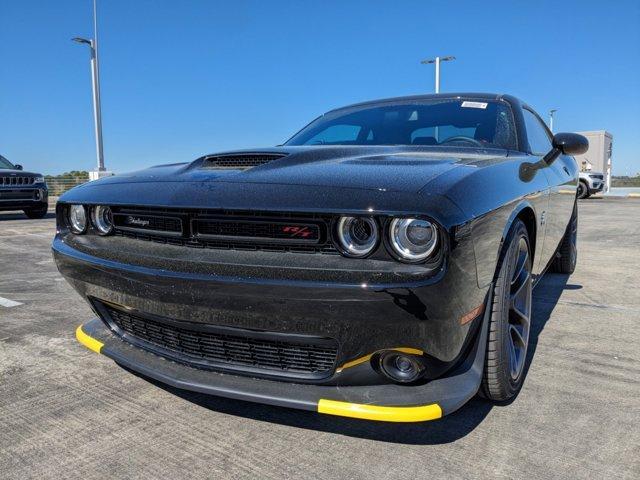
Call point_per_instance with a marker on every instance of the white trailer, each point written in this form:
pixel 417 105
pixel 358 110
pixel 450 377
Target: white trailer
pixel 598 157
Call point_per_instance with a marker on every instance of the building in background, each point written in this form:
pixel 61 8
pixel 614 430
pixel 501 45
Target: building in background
pixel 598 157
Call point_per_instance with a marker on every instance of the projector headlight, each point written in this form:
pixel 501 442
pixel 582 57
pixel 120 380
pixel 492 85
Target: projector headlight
pixel 413 239
pixel 102 219
pixel 77 216
pixel 38 179
pixel 357 236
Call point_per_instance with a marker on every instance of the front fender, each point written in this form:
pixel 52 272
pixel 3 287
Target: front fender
pixel 492 195
pixel 490 231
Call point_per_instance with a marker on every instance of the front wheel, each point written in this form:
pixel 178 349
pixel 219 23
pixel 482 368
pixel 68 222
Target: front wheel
pixel 36 212
pixel 510 319
pixel 583 190
pixel 567 255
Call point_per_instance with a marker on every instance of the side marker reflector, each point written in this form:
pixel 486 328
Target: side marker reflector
pixel 89 342
pixel 473 314
pixel 384 414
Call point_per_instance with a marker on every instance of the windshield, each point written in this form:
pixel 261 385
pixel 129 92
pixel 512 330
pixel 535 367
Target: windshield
pixel 4 163
pixel 439 122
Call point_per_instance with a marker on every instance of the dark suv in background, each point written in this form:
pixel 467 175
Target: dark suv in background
pixel 20 190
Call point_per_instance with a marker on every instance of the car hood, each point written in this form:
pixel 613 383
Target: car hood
pixel 17 173
pixel 392 169
pixel 308 179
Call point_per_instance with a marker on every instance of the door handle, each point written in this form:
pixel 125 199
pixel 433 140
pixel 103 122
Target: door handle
pixel 566 170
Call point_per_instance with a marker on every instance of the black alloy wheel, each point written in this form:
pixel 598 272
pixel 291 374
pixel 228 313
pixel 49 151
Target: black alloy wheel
pixel 510 321
pixel 34 213
pixel 583 190
pixel 567 255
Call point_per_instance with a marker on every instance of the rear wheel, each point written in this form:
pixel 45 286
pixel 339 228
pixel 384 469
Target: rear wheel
pixel 567 255
pixel 36 212
pixel 583 190
pixel 510 319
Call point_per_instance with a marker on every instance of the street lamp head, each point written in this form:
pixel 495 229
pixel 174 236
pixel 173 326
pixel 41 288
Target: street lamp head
pixel 81 40
pixel 433 60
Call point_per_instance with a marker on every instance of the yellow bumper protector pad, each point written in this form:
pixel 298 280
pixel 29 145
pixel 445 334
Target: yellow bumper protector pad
pixel 87 341
pixel 366 358
pixel 384 414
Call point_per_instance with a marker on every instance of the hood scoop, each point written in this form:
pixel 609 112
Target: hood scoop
pixel 242 161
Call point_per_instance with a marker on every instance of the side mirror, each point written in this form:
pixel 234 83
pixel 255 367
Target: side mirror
pixel 18 167
pixel 566 144
pixel 570 143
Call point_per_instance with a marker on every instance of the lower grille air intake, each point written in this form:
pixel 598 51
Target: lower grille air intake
pixel 207 346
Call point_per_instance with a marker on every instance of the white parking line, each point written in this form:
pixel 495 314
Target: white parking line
pixel 5 302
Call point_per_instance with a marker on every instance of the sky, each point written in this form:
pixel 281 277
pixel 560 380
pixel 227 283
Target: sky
pixel 180 79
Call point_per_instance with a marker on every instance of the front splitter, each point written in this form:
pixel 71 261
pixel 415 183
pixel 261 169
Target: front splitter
pixel 388 402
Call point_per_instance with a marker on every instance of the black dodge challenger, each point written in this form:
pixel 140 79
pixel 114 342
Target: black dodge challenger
pixel 378 265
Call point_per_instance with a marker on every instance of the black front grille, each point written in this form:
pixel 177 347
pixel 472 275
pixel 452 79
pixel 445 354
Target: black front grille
pixel 256 230
pixel 240 162
pixel 18 195
pixel 243 351
pixel 229 230
pixel 15 181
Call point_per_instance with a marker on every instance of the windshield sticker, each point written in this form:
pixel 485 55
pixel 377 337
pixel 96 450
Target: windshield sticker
pixel 474 105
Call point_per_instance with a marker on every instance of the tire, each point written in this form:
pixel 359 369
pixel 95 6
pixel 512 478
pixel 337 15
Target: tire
pixel 510 320
pixel 567 255
pixel 583 190
pixel 36 212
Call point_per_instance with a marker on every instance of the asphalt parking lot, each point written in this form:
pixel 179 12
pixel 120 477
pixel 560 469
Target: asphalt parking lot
pixel 66 412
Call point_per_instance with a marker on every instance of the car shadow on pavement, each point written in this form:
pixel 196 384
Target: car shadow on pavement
pixel 445 430
pixel 22 216
pixel 545 298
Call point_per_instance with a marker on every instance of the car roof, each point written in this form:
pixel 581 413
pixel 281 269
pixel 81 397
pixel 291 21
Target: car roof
pixel 484 96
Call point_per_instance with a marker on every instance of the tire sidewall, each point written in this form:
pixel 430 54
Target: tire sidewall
pixel 573 238
pixel 585 190
pixel 508 387
pixel 35 213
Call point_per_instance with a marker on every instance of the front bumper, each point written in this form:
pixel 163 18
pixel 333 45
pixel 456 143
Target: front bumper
pixel 388 402
pixel 23 198
pixel 363 317
pixel 596 186
pixel 360 304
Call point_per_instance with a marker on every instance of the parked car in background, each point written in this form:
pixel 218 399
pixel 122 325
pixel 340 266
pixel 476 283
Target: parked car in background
pixel 378 265
pixel 20 190
pixel 590 184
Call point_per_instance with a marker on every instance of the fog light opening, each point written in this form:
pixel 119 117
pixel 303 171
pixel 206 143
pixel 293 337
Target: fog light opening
pixel 401 367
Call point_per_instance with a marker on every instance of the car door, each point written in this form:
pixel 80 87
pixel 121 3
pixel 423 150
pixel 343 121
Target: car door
pixel 561 177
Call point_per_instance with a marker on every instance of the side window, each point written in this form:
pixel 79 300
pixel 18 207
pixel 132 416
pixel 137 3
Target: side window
pixel 539 140
pixel 336 134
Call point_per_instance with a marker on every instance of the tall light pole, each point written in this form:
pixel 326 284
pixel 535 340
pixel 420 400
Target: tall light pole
pixel 437 61
pixel 551 112
pixel 95 81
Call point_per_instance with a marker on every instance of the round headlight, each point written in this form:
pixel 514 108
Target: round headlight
pixel 102 219
pixel 357 236
pixel 413 239
pixel 77 219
